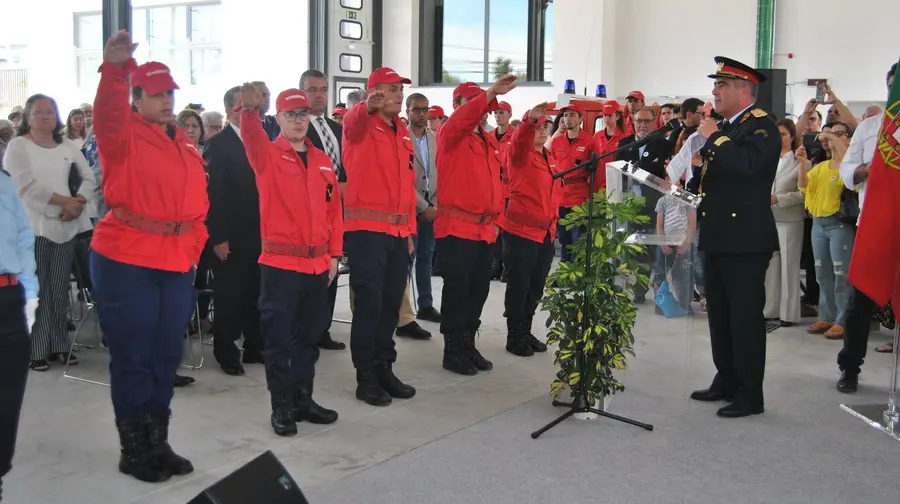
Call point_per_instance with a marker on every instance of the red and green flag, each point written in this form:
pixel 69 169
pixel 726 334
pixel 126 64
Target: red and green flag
pixel 875 266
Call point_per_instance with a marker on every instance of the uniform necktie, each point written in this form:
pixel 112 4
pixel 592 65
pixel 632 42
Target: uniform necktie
pixel 330 147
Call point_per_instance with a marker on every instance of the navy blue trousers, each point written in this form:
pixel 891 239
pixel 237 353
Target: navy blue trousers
pixel 143 314
pixel 15 349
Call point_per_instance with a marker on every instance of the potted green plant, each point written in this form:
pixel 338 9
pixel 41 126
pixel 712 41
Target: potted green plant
pixel 607 340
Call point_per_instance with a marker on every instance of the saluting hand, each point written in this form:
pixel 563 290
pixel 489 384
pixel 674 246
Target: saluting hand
pixel 251 98
pixel 503 85
pixel 539 111
pixel 375 101
pixel 708 126
pixel 119 48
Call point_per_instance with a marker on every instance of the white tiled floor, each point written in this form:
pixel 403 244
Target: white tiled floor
pixel 68 449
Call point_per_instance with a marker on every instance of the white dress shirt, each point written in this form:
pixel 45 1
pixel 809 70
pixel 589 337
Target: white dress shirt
pixel 861 151
pixel 39 173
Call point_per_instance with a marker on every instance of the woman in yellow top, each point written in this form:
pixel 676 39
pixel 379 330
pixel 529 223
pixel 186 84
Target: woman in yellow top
pixel 832 240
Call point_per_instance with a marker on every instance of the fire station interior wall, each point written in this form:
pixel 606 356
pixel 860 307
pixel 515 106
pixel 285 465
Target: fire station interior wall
pixel 852 44
pixel 233 41
pixel 666 49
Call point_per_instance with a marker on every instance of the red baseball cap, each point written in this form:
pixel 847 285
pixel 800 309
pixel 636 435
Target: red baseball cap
pixel 541 120
pixel 637 95
pixel 610 107
pixel 153 77
pixel 385 75
pixel 338 111
pixel 467 90
pixel 291 99
pixel 435 111
pixel 504 106
pixel 573 106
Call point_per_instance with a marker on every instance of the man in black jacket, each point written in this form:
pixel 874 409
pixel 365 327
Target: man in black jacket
pixel 234 234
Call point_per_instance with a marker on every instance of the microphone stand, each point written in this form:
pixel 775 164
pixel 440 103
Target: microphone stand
pixel 580 402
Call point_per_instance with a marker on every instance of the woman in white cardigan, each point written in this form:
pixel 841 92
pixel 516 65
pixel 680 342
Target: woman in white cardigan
pixel 783 275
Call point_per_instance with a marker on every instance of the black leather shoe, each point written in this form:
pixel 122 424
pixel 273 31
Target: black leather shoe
pixel 516 344
pixel 456 358
pixel 158 432
pixel 326 343
pixel 182 381
pixel 739 409
pixel 282 418
pixel 252 357
pixel 391 384
pixel 848 382
pixel 413 331
pixel 711 395
pixel 308 410
pixel 429 314
pixel 474 355
pixel 136 459
pixel 233 369
pixel 368 390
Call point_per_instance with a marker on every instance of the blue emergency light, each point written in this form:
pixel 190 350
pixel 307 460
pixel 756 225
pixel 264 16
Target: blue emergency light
pixel 570 87
pixel 601 91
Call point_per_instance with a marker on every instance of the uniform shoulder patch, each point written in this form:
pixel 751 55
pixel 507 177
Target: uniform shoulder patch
pixel 762 132
pixel 758 112
pixel 719 141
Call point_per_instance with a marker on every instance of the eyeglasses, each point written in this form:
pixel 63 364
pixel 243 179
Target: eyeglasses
pixel 294 115
pixel 643 121
pixel 419 110
pixel 839 133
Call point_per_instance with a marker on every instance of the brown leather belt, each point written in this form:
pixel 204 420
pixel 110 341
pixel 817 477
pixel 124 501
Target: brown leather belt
pixel 290 249
pixel 150 225
pixel 474 218
pixel 376 215
pixel 8 280
pixel 525 220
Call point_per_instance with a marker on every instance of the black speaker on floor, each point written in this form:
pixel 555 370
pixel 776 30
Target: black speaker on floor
pixel 772 95
pixel 262 481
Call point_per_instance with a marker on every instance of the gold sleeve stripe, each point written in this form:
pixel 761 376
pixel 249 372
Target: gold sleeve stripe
pixel 719 141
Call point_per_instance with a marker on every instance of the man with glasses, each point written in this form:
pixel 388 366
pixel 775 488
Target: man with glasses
pixel 302 239
pixel 327 136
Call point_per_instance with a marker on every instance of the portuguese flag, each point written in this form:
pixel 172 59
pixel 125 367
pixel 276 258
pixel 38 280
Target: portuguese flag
pixel 875 267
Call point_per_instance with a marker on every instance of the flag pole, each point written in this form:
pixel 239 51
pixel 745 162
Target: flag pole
pixel 892 413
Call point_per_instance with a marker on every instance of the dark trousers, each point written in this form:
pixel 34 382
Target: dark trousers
pixel 808 263
pixel 378 270
pixel 81 267
pixel 332 299
pixel 204 301
pixel 143 314
pixel 857 325
pixel 293 314
pixel 528 263
pixel 236 282
pixel 736 297
pixel 466 269
pixel 15 349
pixel 424 242
pixel 566 236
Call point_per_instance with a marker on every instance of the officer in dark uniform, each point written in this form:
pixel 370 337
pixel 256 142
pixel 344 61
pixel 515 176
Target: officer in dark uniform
pixel 740 158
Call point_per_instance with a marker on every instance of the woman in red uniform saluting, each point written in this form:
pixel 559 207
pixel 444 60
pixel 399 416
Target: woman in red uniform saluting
pixel 145 251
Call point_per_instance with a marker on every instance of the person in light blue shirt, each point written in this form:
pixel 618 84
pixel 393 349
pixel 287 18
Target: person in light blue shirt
pixel 18 304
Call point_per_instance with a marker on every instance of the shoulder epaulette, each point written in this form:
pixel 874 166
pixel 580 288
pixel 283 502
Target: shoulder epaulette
pixel 758 112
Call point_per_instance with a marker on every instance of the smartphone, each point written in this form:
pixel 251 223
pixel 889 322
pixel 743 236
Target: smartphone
pixel 820 92
pixel 812 145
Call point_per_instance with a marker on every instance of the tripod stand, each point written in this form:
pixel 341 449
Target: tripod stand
pixel 580 402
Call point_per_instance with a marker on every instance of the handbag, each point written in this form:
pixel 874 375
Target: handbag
pixel 884 315
pixel 75 179
pixel 849 211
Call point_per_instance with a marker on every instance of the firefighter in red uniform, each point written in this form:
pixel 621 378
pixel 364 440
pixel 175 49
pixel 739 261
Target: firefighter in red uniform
pixel 145 251
pixel 503 134
pixel 529 227
pixel 607 139
pixel 379 221
pixel 469 200
pixel 572 145
pixel 302 241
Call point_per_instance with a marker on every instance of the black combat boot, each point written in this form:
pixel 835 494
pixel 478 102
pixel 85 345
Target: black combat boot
pixel 158 432
pixel 456 359
pixel 283 414
pixel 137 458
pixel 306 409
pixel 516 340
pixel 474 355
pixel 389 382
pixel 535 344
pixel 369 390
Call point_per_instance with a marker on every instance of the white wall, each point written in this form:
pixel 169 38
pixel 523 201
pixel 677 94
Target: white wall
pixel 852 44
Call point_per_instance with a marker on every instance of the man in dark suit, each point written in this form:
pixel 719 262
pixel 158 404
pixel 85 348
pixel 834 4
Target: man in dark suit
pixel 651 157
pixel 326 135
pixel 234 234
pixel 739 235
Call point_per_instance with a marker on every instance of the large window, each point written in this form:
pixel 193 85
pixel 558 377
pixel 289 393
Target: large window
pixel 480 40
pixel 186 37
